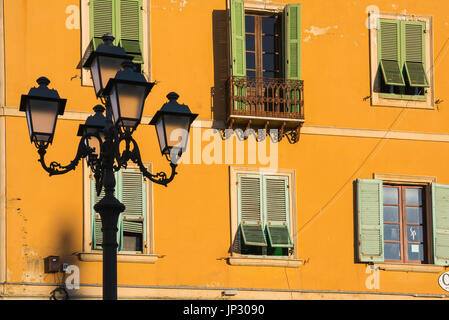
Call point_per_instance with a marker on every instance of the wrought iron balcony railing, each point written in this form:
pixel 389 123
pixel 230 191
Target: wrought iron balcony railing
pixel 266 98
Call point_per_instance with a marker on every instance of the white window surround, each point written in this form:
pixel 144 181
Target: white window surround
pixel 253 260
pixel 86 79
pixel 88 254
pixel 378 99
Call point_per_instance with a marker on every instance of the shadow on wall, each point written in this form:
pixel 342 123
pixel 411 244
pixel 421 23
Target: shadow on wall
pixel 221 67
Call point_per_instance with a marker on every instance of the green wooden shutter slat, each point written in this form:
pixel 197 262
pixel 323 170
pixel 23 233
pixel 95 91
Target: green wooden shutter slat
pixel 238 47
pixel 101 20
pixel 292 13
pixel 440 220
pixel 415 53
pixel 389 52
pixel 133 196
pixel 370 220
pixel 129 24
pixel 276 210
pixel 250 208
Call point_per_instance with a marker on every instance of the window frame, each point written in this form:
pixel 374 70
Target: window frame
pixel 86 79
pixel 398 100
pixel 148 240
pixel 292 257
pixel 426 183
pixel 402 205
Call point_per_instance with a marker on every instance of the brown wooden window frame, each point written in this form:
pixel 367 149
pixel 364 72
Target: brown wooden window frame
pixel 402 212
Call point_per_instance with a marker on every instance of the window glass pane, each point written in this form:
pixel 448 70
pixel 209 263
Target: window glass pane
pixel 414 215
pixel 415 233
pixel 413 196
pixel 268 25
pixel 391 214
pixel 268 62
pixel 268 44
pixel 391 232
pixel 391 195
pixel 416 252
pixel 250 73
pixel 250 42
pixel 269 75
pixel 249 24
pixel 392 251
pixel 250 61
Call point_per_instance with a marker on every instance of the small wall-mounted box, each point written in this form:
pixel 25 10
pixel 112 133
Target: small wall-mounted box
pixel 51 264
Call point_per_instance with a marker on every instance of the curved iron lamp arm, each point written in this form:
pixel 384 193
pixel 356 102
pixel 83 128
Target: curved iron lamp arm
pixel 56 168
pixel 134 155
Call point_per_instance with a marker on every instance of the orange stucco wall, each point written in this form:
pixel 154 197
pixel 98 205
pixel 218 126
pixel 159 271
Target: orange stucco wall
pixel 191 228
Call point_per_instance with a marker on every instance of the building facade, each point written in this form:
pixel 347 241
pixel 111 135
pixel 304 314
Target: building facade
pixel 316 168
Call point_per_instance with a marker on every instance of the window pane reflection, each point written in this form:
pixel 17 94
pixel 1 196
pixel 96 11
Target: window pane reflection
pixel 392 251
pixel 391 195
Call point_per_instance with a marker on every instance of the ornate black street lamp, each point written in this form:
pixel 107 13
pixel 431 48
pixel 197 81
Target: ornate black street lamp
pixel 122 91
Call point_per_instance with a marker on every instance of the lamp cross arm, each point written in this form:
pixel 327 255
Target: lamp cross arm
pixel 55 168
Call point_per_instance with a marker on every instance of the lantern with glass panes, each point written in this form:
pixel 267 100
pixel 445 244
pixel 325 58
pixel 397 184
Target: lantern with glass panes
pixel 123 92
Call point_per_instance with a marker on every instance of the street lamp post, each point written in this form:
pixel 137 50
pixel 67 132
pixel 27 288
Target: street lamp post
pixel 123 92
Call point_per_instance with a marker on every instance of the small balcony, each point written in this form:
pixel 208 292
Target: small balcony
pixel 265 103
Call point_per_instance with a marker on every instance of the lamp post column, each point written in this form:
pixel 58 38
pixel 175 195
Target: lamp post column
pixel 109 209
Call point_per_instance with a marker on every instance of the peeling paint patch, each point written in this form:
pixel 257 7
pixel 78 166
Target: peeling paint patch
pixel 394 6
pixel 317 31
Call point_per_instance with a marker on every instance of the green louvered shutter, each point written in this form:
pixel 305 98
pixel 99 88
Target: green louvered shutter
pixel 238 50
pixel 389 52
pixel 292 14
pixel 250 208
pixel 132 193
pixel 276 208
pixel 370 220
pixel 414 48
pixel 238 47
pixel 129 27
pixel 440 219
pixel 102 17
pixel 97 234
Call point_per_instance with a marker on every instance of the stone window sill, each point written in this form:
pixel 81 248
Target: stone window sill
pixel 409 267
pixel 131 258
pixel 265 262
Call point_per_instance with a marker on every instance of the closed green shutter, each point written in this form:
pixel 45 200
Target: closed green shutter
pixel 97 234
pixel 132 193
pixel 389 52
pixel 250 208
pixel 440 219
pixel 370 220
pixel 414 48
pixel 129 27
pixel 292 13
pixel 276 206
pixel 102 16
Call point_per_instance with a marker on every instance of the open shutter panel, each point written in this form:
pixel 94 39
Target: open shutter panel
pixel 129 27
pixel 133 196
pixel 415 53
pixel 277 211
pixel 238 50
pixel 102 13
pixel 293 41
pixel 389 52
pixel 370 220
pixel 440 219
pixel 238 38
pixel 250 210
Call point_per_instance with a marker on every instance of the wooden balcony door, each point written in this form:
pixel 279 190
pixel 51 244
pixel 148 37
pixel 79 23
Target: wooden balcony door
pixel 263 36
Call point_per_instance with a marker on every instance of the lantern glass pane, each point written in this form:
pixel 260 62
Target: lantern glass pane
pixel 132 98
pixel 109 67
pixel 43 117
pixel 177 130
pixel 95 73
pixel 114 104
pixel 161 134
